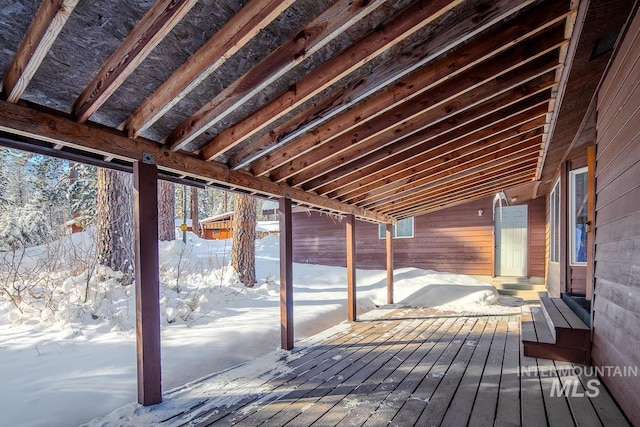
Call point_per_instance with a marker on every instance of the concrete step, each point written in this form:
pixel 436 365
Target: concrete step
pixel 521 286
pixel 527 295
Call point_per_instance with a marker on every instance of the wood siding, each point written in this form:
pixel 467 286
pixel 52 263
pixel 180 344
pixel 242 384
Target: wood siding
pixel 455 240
pixel 616 327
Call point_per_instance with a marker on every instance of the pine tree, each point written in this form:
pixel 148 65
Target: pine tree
pixel 195 225
pixel 243 251
pixel 115 220
pixel 166 211
pixel 82 193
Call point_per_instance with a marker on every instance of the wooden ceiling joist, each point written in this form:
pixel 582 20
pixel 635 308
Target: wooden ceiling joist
pixel 508 110
pixel 149 32
pixel 434 198
pixel 399 28
pixel 43 31
pixel 407 191
pixel 321 31
pixel 415 118
pixel 406 90
pixel 234 35
pixel 56 129
pixel 470 25
pixel 374 175
pixel 433 163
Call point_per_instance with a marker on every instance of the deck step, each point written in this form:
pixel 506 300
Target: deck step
pixel 525 294
pixel 554 331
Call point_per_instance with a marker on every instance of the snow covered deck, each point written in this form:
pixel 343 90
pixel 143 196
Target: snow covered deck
pixel 408 366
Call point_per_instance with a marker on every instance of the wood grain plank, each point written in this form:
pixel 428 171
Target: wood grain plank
pixel 397 29
pixel 558 412
pixel 43 31
pixel 59 129
pixel 156 24
pixel 508 409
pixel 235 34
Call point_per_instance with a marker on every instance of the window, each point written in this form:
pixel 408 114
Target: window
pixel 578 216
pixel 403 230
pixel 554 224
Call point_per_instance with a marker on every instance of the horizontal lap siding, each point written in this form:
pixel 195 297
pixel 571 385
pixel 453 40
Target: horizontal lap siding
pixel 578 280
pixel 455 240
pixel 616 339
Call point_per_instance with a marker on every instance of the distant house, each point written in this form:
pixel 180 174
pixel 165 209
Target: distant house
pixel 218 227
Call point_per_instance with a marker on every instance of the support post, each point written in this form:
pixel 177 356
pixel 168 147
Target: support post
pixel 351 268
pixel 286 273
pixel 389 245
pixel 147 273
pixel 591 219
pixel 565 269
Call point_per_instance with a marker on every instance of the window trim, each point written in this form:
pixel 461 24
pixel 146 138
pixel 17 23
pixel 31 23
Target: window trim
pixel 572 217
pixel 554 222
pixel 382 230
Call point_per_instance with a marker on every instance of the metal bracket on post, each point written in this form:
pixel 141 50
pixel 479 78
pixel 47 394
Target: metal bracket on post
pixel 148 159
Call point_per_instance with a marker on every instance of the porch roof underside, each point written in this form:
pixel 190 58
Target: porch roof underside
pixel 382 109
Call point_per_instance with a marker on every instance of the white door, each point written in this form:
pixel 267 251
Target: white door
pixel 511 241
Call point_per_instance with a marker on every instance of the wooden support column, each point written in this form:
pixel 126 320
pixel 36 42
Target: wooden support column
pixel 286 274
pixel 147 272
pixel 591 218
pixel 351 268
pixel 389 244
pixel 565 269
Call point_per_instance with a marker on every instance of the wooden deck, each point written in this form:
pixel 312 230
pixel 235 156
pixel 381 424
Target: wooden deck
pixel 419 367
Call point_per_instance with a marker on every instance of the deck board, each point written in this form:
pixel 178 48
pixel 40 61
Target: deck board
pixel 415 367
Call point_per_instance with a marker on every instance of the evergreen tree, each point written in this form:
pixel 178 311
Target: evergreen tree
pixel 115 220
pixel 166 211
pixel 82 193
pixel 243 251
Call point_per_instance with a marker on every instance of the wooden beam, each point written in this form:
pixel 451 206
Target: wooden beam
pixel 443 70
pixel 306 42
pixel 351 268
pixel 477 193
pixel 388 233
pixel 462 179
pixel 396 30
pixel 445 153
pixel 443 169
pixel 156 24
pixel 430 108
pixel 43 31
pixel 479 122
pixel 371 100
pixel 147 272
pixel 286 274
pixel 226 42
pixel 461 185
pixel 56 128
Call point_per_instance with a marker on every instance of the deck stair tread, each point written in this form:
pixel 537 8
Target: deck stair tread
pixel 554 331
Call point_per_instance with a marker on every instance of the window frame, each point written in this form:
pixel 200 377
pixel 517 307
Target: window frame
pixel 394 233
pixel 572 215
pixel 554 223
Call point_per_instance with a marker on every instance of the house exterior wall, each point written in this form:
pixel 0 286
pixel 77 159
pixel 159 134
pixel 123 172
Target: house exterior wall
pixel 455 240
pixel 616 317
pixel 561 276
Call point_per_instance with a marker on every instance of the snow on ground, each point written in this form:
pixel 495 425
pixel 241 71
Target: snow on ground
pixel 73 359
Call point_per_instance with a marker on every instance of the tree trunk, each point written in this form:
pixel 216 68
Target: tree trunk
pixel 243 252
pixel 166 211
pixel 115 220
pixel 195 226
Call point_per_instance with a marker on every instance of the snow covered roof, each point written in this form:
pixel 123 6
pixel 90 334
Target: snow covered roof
pixel 219 217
